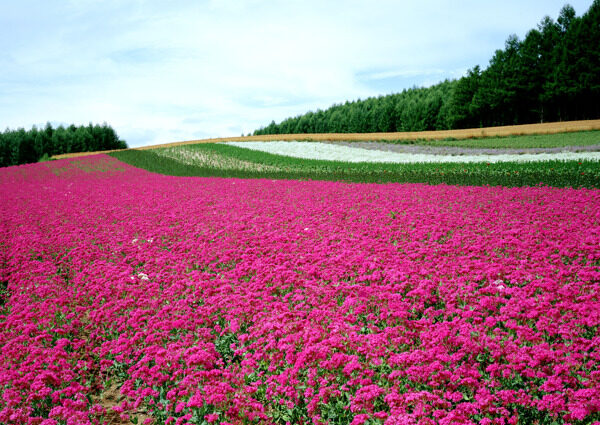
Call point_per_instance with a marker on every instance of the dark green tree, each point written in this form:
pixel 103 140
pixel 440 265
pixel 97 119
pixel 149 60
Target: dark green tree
pixel 21 146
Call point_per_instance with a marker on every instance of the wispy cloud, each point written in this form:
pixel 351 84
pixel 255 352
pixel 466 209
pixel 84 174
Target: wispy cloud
pixel 164 71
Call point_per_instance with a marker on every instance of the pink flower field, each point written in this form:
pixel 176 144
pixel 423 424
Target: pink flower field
pixel 132 297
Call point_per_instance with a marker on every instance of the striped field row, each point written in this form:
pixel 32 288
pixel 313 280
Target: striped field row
pixel 513 130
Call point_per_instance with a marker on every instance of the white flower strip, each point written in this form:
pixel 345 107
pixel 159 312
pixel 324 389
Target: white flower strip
pixel 325 151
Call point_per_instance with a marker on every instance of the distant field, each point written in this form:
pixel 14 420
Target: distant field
pixel 544 135
pixel 211 157
pixel 513 130
pixel 221 160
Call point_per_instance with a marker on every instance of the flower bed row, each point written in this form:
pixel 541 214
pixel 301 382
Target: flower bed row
pixel 332 152
pixel 211 300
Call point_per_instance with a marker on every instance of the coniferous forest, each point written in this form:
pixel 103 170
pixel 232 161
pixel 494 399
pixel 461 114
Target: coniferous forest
pixel 22 146
pixel 553 74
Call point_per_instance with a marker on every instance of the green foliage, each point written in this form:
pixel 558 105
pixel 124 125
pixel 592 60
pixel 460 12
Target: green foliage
pixel 223 345
pixel 45 158
pixel 22 147
pixel 510 174
pixel 4 294
pixel 553 74
pixel 337 411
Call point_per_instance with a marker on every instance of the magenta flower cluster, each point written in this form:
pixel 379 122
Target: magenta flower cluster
pixel 211 300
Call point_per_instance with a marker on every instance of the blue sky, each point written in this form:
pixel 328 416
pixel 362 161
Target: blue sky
pixel 163 71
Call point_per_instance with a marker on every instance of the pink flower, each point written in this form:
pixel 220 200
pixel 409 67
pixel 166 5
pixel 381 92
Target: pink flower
pixel 212 417
pixel 359 419
pixel 436 313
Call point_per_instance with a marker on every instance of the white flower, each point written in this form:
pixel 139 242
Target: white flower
pixel 330 152
pixel 143 276
pixel 499 284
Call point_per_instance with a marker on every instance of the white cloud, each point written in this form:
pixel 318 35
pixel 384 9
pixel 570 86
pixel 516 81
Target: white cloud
pixel 165 71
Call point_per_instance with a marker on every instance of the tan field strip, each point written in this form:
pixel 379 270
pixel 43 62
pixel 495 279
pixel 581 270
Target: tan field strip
pixel 470 133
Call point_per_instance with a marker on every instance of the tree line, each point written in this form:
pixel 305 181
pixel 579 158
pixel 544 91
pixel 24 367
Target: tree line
pixel 22 147
pixel 553 74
